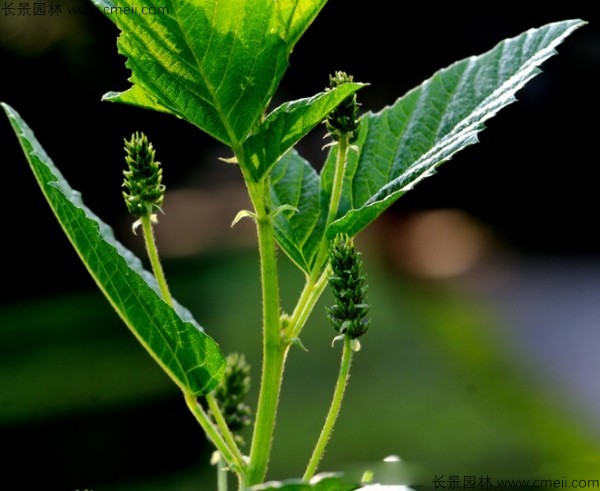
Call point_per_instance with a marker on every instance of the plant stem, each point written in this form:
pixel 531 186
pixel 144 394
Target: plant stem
pixel 274 347
pixel 338 178
pixel 221 474
pixel 308 298
pixel 222 425
pixel 232 455
pixel 334 409
pixel 313 289
pixel 343 146
pixel 317 280
pixel 274 350
pixel 211 431
pixel 154 259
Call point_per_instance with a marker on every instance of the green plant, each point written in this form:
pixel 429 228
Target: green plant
pixel 217 64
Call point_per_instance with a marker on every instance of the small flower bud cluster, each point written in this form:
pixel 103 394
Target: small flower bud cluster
pixel 144 192
pixel 343 120
pixel 348 284
pixel 232 391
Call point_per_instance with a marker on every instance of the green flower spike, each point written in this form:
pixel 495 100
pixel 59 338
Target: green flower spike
pixel 348 284
pixel 232 391
pixel 144 191
pixel 343 120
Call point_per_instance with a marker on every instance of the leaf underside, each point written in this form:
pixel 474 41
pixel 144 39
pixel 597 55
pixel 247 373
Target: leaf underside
pixel 189 356
pixel 404 143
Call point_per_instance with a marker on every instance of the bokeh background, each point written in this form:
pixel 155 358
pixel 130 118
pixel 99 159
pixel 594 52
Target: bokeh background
pixel 484 280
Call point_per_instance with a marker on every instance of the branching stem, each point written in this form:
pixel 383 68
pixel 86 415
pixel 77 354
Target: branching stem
pixel 224 440
pixel 306 302
pixel 225 431
pixel 212 432
pixel 276 343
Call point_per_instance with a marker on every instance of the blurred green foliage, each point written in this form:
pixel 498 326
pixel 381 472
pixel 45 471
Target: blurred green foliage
pixel 436 381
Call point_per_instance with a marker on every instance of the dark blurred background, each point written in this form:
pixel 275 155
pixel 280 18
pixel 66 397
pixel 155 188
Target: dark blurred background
pixel 485 279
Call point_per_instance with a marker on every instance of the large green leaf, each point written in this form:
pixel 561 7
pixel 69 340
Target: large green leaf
pixel 215 63
pixel 405 142
pixel 289 123
pixel 189 356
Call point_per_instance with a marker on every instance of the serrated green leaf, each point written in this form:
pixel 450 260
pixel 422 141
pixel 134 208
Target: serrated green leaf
pixel 404 143
pixel 289 123
pixel 214 63
pixel 189 356
pixel 321 482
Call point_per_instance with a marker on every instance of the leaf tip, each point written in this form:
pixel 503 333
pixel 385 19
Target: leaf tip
pixel 10 112
pixel 110 96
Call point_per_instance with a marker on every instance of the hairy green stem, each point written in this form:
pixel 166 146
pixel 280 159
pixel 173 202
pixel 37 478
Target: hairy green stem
pixel 314 287
pixel 212 432
pixel 154 258
pixel 334 410
pixel 317 280
pixel 343 146
pixel 274 350
pixel 338 178
pixel 233 455
pixel 346 361
pixel 222 425
pixel 274 346
pixel 308 298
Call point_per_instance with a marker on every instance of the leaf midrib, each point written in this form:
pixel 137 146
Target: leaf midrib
pixel 477 116
pixel 76 226
pixel 202 73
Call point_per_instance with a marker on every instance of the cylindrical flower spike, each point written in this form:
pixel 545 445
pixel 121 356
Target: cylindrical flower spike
pixel 348 284
pixel 343 120
pixel 144 191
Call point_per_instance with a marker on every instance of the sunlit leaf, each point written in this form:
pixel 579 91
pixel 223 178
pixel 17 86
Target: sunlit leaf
pixel 404 143
pixel 214 63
